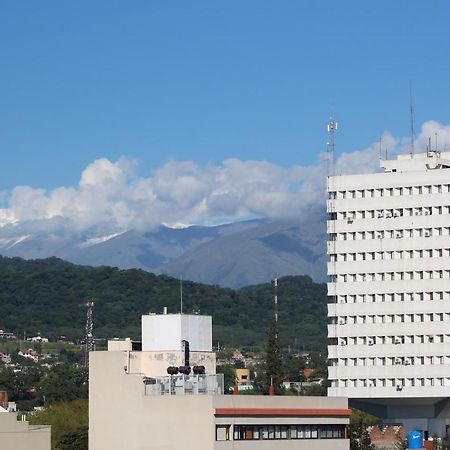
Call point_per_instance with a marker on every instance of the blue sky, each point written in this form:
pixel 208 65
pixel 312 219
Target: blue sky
pixel 209 80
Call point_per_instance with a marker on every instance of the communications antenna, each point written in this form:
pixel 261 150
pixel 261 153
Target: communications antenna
pixel 331 127
pixel 411 120
pixel 89 339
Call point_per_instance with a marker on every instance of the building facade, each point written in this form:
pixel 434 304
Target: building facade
pixel 389 290
pixel 134 404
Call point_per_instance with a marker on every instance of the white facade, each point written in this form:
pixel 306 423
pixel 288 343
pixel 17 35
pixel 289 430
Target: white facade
pixel 389 285
pixel 165 332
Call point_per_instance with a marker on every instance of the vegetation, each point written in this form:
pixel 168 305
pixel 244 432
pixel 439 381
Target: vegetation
pixel 47 296
pixel 359 436
pixel 69 421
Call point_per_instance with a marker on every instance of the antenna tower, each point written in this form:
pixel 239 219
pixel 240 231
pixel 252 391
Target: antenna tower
pixel 332 127
pixel 275 287
pixel 89 339
pixel 411 120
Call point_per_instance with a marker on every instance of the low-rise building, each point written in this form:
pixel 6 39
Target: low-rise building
pixel 19 435
pixel 149 400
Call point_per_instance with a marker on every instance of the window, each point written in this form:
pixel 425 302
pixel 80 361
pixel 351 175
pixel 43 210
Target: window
pixel 222 432
pixel 281 432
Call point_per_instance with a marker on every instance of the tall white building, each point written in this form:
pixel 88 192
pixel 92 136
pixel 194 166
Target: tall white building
pixel 389 290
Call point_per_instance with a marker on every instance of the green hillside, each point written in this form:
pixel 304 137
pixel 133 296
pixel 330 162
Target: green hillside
pixel 47 296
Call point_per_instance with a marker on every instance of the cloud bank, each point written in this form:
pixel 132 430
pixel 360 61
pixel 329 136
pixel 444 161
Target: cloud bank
pixel 110 197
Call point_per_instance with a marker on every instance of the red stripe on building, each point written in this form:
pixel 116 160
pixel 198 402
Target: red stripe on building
pixel 281 412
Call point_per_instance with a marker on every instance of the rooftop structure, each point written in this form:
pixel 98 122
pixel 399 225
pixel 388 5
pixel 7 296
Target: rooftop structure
pixel 389 290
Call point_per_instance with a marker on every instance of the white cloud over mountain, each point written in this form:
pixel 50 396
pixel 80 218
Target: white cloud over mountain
pixel 110 197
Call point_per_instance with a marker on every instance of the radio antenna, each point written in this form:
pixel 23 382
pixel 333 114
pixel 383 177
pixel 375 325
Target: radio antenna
pixel 332 127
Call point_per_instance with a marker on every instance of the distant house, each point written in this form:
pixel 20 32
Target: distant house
pixel 7 335
pixel 29 354
pixel 5 358
pixel 38 339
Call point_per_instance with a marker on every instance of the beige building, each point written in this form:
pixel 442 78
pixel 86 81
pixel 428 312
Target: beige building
pixel 135 405
pixel 19 435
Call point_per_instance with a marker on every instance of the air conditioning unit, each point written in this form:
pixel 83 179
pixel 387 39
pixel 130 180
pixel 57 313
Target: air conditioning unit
pixel 427 234
pixel 398 235
pixel 342 322
pixel 380 215
pixel 388 215
pixel 397 341
pixel 371 342
pixel 399 387
pixel 407 363
pixel 397 361
pixel 343 343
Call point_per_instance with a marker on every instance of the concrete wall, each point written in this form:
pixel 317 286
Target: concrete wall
pixel 121 417
pixel 155 364
pixel 15 435
pixel 164 332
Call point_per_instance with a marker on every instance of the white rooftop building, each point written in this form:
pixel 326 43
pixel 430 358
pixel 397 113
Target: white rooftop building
pixel 389 290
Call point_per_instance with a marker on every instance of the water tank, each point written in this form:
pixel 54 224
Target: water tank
pixel 415 439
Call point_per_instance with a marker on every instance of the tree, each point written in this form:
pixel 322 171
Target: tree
pixel 64 384
pixel 228 375
pixel 75 440
pixel 274 365
pixel 359 436
pixel 67 420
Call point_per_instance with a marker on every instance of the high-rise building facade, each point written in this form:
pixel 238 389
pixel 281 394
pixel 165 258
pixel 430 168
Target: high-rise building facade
pixel 389 290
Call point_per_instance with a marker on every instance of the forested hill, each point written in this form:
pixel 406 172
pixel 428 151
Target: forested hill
pixel 47 296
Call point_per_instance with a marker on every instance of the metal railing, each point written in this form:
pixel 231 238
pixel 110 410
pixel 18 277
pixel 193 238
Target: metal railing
pixel 185 385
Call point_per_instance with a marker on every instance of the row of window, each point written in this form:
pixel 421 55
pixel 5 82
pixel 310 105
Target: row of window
pixel 391 340
pixel 390 191
pixel 391 297
pixel 391 318
pixel 392 361
pixel 393 254
pixel 389 213
pixel 390 276
pixel 272 432
pixel 398 383
pixel 389 234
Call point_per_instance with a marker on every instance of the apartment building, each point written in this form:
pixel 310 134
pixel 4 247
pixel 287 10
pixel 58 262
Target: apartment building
pixel 164 393
pixel 389 290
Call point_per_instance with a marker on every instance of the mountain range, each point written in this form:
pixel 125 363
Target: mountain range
pixel 230 255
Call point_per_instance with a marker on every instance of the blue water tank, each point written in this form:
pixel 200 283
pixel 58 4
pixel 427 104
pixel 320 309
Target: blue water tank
pixel 415 439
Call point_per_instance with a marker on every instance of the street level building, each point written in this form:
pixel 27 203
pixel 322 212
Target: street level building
pixel 389 290
pixel 164 394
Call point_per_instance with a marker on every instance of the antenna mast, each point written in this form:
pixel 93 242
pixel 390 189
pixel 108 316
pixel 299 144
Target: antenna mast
pixel 332 127
pixel 275 287
pixel 89 339
pixel 411 120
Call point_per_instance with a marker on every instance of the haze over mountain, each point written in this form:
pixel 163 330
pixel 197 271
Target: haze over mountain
pixel 231 255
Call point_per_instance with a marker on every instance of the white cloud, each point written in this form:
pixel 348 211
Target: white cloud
pixel 110 197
